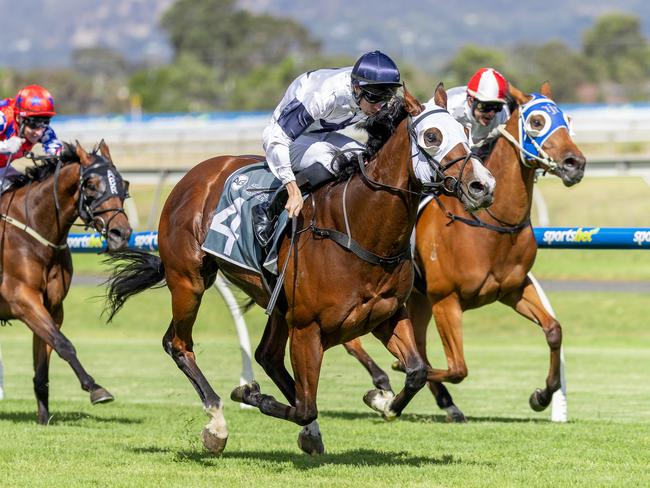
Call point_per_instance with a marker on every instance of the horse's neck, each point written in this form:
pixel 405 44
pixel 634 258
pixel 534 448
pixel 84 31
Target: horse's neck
pixel 390 212
pixel 514 183
pixel 41 208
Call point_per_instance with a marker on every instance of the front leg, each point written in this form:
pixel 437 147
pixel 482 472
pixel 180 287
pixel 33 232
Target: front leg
pixel 527 302
pixel 306 351
pixel 397 335
pixel 270 355
pixel 379 377
pixel 28 307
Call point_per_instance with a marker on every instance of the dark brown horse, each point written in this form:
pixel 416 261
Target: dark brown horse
pixel 37 214
pixel 468 263
pixel 330 295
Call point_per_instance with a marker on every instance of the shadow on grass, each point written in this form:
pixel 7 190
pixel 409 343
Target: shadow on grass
pixel 65 418
pixel 425 419
pixel 352 458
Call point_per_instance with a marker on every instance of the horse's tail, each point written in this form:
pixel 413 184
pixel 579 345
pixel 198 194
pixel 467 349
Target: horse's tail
pixel 133 271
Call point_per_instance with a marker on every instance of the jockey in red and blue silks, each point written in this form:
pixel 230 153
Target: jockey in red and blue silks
pixel 24 122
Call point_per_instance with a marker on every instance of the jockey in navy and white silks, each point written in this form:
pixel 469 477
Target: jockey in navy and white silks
pixel 317 104
pixel 480 106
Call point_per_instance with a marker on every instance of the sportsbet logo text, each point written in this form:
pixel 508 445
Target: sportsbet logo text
pixel 570 235
pixel 641 236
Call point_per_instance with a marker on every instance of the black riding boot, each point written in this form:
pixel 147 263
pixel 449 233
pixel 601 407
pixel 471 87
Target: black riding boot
pixel 265 215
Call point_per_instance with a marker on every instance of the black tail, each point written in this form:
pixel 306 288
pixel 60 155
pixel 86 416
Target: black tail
pixel 133 271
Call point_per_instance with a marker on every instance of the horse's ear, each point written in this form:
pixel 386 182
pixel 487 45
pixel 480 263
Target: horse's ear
pixel 84 157
pixel 103 150
pixel 519 96
pixel 412 105
pixel 546 89
pixel 440 96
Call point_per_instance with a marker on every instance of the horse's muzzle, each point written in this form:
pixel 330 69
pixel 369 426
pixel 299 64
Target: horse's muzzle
pixel 572 169
pixel 118 238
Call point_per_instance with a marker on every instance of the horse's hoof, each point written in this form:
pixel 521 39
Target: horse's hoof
pixel 455 416
pixel 398 366
pixel 310 440
pixel 213 442
pixel 240 393
pixel 537 402
pixel 379 401
pixel 100 395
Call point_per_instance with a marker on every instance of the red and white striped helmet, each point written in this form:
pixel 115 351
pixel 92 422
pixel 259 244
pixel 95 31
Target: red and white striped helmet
pixel 488 85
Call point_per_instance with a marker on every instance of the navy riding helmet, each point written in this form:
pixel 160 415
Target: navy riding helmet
pixel 377 75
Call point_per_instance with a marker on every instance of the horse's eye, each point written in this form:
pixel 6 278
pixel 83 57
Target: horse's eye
pixel 432 138
pixel 537 123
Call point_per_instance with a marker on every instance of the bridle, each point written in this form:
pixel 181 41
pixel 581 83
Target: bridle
pixel 529 142
pixel 114 186
pixel 440 183
pixel 530 149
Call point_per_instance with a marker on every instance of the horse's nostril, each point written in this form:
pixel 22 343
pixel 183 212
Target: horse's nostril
pixel 476 188
pixel 572 163
pixel 118 233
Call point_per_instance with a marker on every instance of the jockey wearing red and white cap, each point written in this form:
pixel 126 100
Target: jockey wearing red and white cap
pixel 24 122
pixel 481 106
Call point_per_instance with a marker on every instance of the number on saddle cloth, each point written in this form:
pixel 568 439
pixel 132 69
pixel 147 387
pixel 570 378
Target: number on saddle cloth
pixel 231 236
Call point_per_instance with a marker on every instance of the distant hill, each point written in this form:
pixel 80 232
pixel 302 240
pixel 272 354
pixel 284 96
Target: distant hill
pixel 45 32
pixel 427 32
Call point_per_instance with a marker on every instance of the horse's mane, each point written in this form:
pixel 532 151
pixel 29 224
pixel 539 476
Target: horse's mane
pixel 380 127
pixel 485 150
pixel 46 166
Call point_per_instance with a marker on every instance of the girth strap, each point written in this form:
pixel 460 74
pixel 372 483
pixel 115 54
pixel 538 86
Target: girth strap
pixel 350 244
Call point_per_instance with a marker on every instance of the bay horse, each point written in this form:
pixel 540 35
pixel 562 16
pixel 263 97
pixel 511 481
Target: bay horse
pixel 330 294
pixel 37 214
pixel 468 262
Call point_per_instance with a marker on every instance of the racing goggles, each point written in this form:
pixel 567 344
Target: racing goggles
pixel 374 94
pixel 485 107
pixel 37 122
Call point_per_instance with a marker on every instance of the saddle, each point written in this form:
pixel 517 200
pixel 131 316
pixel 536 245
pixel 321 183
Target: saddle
pixel 252 204
pixel 265 216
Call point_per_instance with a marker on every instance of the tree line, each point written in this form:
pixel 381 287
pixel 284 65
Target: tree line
pixel 230 59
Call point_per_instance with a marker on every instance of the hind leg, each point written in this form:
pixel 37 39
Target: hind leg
pixel 528 303
pixel 178 343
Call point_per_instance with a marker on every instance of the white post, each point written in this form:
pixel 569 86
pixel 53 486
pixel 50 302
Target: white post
pixel 242 331
pixel 2 378
pixel 559 405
